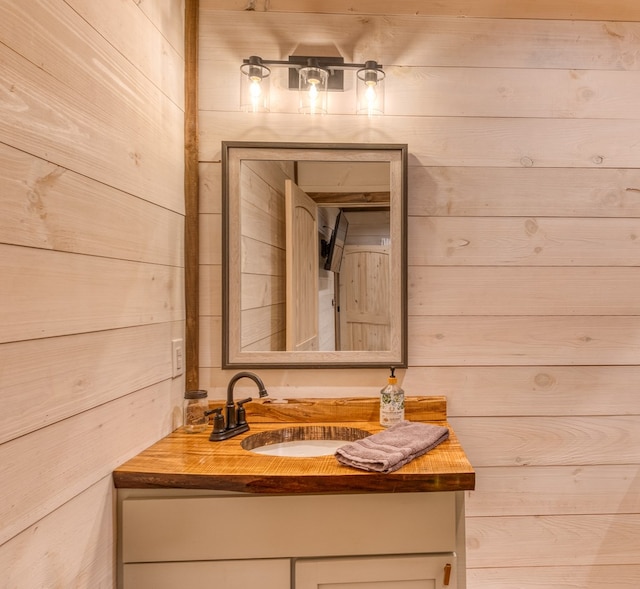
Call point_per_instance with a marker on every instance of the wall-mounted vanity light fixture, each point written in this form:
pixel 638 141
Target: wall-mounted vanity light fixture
pixel 312 77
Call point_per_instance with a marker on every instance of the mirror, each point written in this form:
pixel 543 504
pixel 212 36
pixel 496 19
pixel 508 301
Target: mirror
pixel 314 254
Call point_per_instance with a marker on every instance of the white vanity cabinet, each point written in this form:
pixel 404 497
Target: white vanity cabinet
pixel 171 538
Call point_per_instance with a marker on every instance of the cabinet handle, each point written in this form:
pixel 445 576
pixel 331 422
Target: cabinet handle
pixel 447 574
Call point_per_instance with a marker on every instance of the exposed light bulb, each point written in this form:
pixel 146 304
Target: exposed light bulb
pixel 370 89
pixel 255 88
pixel 313 97
pixel 371 96
pixel 254 85
pixel 312 85
pixel 255 91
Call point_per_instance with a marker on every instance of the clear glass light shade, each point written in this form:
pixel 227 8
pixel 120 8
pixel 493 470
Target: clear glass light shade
pixel 370 91
pixel 313 90
pixel 254 88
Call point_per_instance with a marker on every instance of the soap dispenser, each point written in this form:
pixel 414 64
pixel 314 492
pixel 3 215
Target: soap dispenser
pixel 391 402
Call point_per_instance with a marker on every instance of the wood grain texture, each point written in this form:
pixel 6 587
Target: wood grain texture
pixel 402 40
pixel 458 191
pixel 501 241
pixel 162 23
pixel 210 244
pixel 590 489
pixel 191 461
pixel 92 185
pixel 210 354
pixel 50 207
pixel 537 290
pixel 67 457
pixel 530 340
pixel 510 92
pixel 513 391
pixel 523 199
pixel 446 141
pixel 170 19
pixel 554 441
pixel 257 291
pixel 343 409
pixel 497 92
pixel 210 290
pixel 471 391
pixel 191 196
pixel 538 9
pixel 540 577
pixel 302 252
pixel 603 540
pixel 74 381
pixel 326 382
pixel 83 293
pixel 65 123
pixel 71 546
pixel 210 188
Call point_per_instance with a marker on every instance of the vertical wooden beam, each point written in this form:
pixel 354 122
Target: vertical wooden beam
pixel 191 194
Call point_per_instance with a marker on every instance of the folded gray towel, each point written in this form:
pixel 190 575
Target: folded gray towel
pixel 392 448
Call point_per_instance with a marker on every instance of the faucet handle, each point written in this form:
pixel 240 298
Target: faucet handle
pixel 242 414
pixel 218 420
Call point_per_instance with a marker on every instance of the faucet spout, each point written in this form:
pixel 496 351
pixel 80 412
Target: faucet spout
pixel 233 426
pixel 262 391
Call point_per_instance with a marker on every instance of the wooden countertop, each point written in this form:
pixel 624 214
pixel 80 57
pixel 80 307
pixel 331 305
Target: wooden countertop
pixel 191 461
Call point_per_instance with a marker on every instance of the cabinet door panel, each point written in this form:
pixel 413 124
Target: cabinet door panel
pixel 405 572
pixel 266 574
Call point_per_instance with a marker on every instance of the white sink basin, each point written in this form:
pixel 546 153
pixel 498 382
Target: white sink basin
pixel 302 441
pixel 301 448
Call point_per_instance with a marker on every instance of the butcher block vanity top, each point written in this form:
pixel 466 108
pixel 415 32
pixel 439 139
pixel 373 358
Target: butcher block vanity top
pixel 190 461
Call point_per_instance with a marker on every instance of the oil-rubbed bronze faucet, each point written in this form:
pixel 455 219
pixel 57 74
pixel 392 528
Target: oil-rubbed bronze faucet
pixel 234 421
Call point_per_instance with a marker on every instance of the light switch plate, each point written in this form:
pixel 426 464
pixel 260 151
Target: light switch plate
pixel 177 357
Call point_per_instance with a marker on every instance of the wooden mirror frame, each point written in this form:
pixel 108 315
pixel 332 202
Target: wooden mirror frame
pixel 233 152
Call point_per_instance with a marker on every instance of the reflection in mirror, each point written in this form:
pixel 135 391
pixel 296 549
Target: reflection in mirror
pixel 314 265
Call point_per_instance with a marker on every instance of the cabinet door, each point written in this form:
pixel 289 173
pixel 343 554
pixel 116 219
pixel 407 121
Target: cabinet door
pixel 399 572
pixel 240 574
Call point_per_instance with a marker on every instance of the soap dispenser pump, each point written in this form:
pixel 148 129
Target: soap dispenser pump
pixel 391 402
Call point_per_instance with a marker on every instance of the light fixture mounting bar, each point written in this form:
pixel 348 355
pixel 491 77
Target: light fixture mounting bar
pixel 335 67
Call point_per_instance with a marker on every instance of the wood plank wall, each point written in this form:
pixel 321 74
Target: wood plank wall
pixel 262 258
pixel 524 199
pixel 91 251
